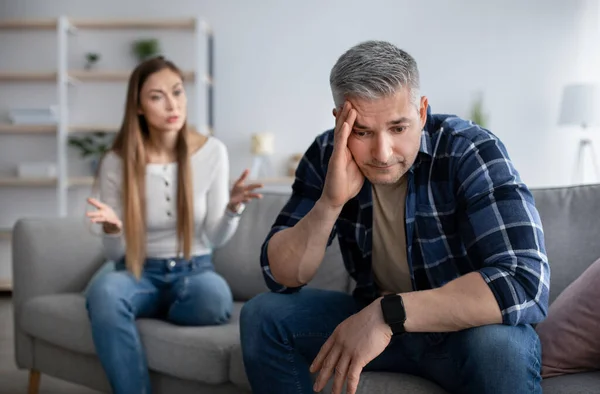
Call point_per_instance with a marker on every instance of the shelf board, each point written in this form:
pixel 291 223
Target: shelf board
pixel 28 24
pixel 81 181
pixel 91 128
pixel 44 182
pixel 274 180
pixel 108 75
pixel 27 182
pixel 100 24
pixel 27 129
pixel 83 75
pixel 105 24
pixel 6 285
pixel 13 76
pixel 51 129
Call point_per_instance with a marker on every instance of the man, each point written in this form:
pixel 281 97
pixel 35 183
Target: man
pixel 436 227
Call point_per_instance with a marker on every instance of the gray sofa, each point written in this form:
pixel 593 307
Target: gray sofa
pixel 53 261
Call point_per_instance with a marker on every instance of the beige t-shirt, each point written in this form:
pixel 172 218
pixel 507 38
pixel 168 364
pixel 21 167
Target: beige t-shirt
pixel 390 266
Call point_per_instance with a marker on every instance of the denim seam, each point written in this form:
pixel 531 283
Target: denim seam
pixel 536 364
pixel 291 361
pixel 306 335
pixel 310 335
pixel 139 344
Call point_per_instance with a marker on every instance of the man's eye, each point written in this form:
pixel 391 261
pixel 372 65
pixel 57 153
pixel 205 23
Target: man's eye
pixel 359 133
pixel 154 98
pixel 400 129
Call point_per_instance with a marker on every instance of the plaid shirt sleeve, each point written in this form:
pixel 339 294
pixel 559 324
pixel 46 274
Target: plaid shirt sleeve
pixel 503 230
pixel 306 190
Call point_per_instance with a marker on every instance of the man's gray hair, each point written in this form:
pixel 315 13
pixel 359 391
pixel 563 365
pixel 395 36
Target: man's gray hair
pixel 372 70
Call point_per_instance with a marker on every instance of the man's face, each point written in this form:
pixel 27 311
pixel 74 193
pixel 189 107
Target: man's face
pixel 386 136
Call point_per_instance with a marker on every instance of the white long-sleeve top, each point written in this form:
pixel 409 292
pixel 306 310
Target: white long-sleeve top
pixel 214 225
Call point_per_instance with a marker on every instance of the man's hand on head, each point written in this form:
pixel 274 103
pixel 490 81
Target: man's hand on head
pixel 344 179
pixel 354 343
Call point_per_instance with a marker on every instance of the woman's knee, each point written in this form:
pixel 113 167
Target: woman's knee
pixel 203 299
pixel 107 295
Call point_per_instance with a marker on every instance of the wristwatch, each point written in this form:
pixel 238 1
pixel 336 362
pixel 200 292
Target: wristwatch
pixel 393 313
pixel 240 209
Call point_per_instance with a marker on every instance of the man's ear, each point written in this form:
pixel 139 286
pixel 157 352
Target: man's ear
pixel 334 112
pixel 423 110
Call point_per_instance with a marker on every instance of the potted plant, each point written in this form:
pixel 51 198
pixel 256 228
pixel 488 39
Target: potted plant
pixel 478 116
pixel 91 59
pixel 92 146
pixel 145 49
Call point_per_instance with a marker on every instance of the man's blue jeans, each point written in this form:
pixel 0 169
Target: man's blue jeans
pixel 282 333
pixel 187 293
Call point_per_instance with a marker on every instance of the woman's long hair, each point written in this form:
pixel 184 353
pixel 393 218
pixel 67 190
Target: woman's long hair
pixel 129 145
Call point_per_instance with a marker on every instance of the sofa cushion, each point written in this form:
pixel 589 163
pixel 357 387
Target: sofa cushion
pixel 580 383
pixel 193 353
pixel 571 227
pixel 239 260
pixel 570 335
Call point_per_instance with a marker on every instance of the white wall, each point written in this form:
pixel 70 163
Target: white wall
pixel 273 60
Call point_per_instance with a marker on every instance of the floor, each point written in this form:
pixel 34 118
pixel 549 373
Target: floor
pixel 14 381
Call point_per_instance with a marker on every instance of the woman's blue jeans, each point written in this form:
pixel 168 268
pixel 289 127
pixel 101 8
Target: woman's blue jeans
pixel 183 292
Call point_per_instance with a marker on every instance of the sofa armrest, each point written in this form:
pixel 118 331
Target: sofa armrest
pixel 51 256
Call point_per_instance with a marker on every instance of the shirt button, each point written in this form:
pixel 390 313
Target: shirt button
pixel 166 183
pixel 168 198
pixel 168 213
pixel 172 263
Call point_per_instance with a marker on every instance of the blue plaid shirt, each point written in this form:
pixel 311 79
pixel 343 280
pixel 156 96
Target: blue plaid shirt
pixel 466 210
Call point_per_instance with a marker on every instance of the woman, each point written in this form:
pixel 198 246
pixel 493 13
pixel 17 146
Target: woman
pixel 164 205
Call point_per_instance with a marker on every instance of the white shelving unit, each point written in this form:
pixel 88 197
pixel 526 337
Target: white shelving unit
pixel 65 78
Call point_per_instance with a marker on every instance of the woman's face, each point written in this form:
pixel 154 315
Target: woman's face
pixel 163 102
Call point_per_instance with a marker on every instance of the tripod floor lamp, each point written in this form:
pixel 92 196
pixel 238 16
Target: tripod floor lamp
pixel 581 106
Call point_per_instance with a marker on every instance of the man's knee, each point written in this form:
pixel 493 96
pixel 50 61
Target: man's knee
pixel 514 348
pixel 263 309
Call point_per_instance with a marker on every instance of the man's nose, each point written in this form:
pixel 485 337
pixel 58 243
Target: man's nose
pixel 381 149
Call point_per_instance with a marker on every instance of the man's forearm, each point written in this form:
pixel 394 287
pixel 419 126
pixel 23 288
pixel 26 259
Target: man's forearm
pixel 462 303
pixel 296 252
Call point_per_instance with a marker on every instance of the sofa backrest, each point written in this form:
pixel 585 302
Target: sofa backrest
pixel 571 221
pixel 239 260
pixel 570 218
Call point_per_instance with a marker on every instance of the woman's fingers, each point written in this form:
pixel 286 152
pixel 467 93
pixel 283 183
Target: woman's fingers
pixel 96 203
pixel 253 186
pixel 243 177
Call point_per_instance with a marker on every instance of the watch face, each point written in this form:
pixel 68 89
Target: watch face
pixel 393 308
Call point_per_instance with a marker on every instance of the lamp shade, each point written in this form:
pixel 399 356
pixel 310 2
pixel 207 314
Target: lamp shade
pixel 580 105
pixel 263 144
